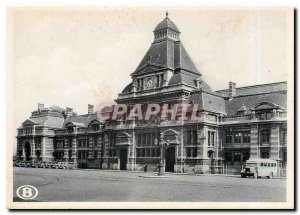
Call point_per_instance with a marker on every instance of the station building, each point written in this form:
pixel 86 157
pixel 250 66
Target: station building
pixel 236 123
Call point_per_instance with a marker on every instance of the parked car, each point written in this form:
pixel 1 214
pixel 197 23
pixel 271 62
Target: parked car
pixel 27 164
pixel 62 165
pixel 53 165
pixel 47 165
pixel 34 165
pixel 16 163
pixel 21 164
pixel 41 164
pixel 260 168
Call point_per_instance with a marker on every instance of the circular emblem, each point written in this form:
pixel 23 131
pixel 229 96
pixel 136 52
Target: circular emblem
pixel 149 82
pixel 27 192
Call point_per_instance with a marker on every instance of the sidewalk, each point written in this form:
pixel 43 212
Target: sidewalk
pixel 168 174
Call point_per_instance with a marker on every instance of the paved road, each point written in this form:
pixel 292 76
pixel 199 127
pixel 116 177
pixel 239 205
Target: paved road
pixel 103 185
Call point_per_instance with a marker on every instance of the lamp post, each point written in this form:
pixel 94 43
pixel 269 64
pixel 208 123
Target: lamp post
pixel 163 147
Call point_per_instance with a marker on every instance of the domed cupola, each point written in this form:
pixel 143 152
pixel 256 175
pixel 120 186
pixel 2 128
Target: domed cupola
pixel 166 29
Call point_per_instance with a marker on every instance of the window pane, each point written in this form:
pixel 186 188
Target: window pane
pixel 188 152
pixel 237 156
pixel 195 152
pixel 158 152
pixel 153 152
pixel 227 156
pixel 228 138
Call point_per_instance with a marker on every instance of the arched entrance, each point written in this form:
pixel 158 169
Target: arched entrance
pixel 27 148
pixel 122 142
pixel 170 140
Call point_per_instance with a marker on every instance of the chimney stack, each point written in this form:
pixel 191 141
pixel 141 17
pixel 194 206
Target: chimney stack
pixel 69 112
pixel 40 106
pixel 90 109
pixel 199 83
pixel 232 90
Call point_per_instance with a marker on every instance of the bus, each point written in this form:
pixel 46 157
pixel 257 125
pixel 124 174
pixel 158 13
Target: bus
pixel 260 168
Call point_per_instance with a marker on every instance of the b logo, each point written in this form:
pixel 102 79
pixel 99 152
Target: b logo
pixel 27 192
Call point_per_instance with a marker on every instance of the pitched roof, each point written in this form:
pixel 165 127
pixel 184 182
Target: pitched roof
pixel 167 54
pixel 250 101
pixel 183 60
pixel 243 108
pixel 48 121
pixel 256 89
pixel 209 102
pixel 188 79
pixel 81 120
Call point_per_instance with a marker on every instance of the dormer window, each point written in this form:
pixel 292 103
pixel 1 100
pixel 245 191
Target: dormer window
pixel 70 130
pixel 242 110
pixel 140 83
pixel 28 130
pixel 96 127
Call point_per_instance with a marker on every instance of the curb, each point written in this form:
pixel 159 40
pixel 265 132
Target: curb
pixel 169 174
pixel 153 176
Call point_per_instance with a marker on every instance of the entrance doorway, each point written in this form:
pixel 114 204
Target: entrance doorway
pixel 211 156
pixel 170 159
pixel 27 151
pixel 123 158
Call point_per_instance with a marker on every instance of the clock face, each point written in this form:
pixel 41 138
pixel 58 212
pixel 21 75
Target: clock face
pixel 149 82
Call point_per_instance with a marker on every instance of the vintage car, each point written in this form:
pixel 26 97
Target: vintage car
pixel 260 168
pixel 27 164
pixel 34 165
pixel 62 165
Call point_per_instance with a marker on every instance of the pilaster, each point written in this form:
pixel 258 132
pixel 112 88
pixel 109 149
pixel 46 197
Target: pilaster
pixel 254 144
pixel 274 142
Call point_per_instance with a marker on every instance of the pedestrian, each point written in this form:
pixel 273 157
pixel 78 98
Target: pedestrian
pixel 145 168
pixel 108 166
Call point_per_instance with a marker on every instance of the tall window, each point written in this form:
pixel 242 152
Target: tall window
pixel 95 141
pixel 237 156
pixel 265 136
pixel 147 145
pixel 191 152
pixel 284 137
pixel 228 156
pixel 83 143
pixel 191 145
pixel 246 155
pixel 111 144
pixel 237 137
pixel 284 156
pixel 211 138
pixel 246 137
pixel 264 153
pixel 228 137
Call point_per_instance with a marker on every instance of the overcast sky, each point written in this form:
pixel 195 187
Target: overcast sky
pixel 74 57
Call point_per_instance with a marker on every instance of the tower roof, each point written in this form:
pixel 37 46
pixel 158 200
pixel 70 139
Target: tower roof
pixel 167 54
pixel 166 23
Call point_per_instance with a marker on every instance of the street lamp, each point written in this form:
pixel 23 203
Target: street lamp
pixel 163 146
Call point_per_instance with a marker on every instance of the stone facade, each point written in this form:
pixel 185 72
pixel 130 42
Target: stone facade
pixel 233 125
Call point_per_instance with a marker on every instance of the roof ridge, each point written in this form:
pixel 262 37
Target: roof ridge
pixel 252 86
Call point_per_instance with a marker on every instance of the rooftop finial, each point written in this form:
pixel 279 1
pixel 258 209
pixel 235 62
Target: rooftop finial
pixel 167 13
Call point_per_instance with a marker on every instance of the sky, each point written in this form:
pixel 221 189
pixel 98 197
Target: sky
pixel 72 57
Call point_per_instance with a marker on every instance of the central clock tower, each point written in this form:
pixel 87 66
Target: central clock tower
pixel 165 69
